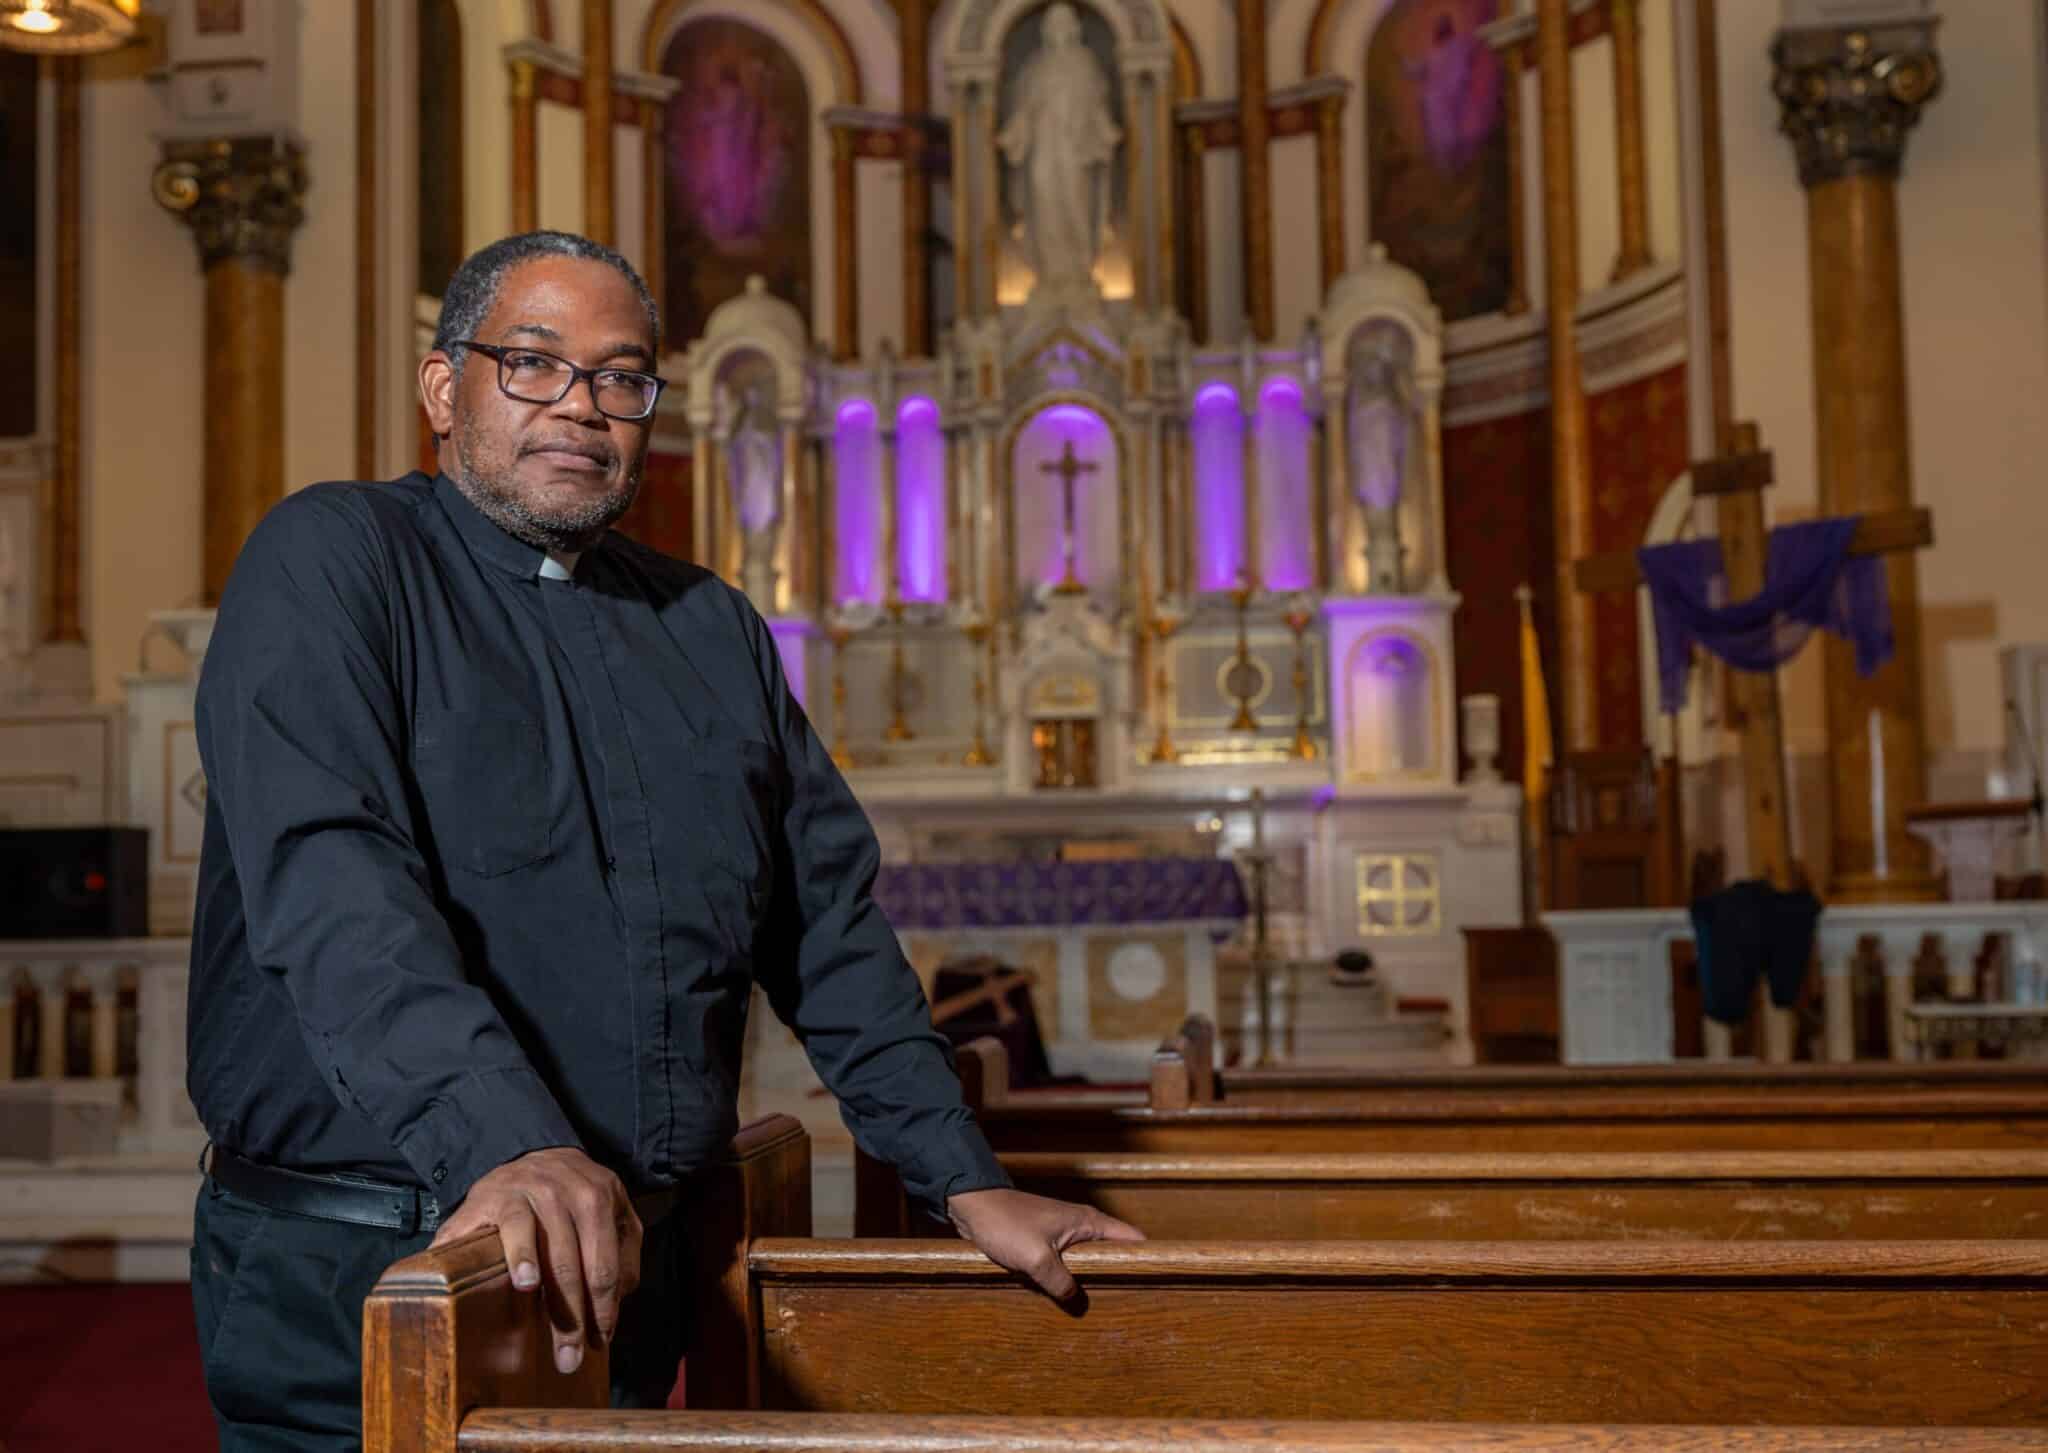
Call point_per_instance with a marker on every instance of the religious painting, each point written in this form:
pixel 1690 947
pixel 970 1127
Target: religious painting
pixel 738 160
pixel 1060 107
pixel 1436 146
pixel 19 100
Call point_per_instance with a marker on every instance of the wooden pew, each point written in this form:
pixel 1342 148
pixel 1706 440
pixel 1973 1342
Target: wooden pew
pixel 1709 1196
pixel 508 1431
pixel 1504 1111
pixel 445 1331
pixel 1867 1334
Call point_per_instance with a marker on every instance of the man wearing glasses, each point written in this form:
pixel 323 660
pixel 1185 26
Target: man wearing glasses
pixel 506 816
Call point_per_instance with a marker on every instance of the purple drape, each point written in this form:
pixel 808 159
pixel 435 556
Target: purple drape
pixel 1810 580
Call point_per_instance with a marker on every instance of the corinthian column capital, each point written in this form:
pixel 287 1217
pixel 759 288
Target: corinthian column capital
pixel 243 197
pixel 1849 94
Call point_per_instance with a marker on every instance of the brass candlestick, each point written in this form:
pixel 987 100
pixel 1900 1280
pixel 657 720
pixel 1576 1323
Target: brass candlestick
pixel 899 720
pixel 1243 676
pixel 979 755
pixel 1164 623
pixel 839 634
pixel 1299 618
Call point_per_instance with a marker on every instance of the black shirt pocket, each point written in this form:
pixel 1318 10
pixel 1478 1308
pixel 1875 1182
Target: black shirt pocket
pixel 484 777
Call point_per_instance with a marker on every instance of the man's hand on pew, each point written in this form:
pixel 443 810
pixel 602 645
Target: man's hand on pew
pixel 1026 1234
pixel 567 1225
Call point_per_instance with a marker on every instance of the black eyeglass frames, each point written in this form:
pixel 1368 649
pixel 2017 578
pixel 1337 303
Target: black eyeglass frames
pixel 533 376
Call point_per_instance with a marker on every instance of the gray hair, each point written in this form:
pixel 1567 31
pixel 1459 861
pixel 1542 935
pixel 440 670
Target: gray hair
pixel 473 291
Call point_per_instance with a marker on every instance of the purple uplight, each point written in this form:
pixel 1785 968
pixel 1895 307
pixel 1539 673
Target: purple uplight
pixel 857 515
pixel 920 501
pixel 1040 503
pixel 1216 434
pixel 1286 493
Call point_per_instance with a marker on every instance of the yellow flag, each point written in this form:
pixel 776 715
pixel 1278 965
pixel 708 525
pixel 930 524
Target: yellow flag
pixel 1537 752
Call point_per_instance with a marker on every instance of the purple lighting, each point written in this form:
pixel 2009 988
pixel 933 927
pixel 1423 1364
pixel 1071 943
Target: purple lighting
pixel 920 501
pixel 857 515
pixel 1216 435
pixel 1286 496
pixel 1040 498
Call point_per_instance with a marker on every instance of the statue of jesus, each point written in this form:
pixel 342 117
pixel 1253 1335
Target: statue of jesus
pixel 1060 138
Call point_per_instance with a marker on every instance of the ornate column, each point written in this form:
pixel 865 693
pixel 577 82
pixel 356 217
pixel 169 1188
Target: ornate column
pixel 597 121
pixel 1138 224
pixel 1255 127
pixel 61 620
pixel 963 214
pixel 846 247
pixel 1330 185
pixel 1571 465
pixel 1518 186
pixel 790 565
pixel 1198 231
pixel 653 199
pixel 102 983
pixel 1849 94
pixel 525 148
pixel 915 29
pixel 243 199
pixel 1626 31
pixel 1343 552
pixel 1162 155
pixel 53 987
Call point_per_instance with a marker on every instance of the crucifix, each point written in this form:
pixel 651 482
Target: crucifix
pixel 1737 481
pixel 1069 468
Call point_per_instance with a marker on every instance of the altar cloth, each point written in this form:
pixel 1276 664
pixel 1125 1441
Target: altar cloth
pixel 927 896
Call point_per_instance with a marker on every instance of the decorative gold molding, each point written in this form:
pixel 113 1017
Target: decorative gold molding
pixel 242 197
pixel 1848 96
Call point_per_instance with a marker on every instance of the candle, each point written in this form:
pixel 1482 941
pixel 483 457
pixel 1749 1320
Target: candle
pixel 1877 832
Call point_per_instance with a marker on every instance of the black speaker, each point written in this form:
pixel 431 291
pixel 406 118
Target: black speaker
pixel 74 882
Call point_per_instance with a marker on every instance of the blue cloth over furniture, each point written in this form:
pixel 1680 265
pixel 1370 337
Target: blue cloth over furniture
pixel 1810 580
pixel 926 896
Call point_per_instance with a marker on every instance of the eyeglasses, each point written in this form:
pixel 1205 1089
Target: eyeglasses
pixel 534 377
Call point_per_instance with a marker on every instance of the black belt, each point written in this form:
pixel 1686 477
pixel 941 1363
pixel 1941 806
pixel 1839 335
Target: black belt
pixel 339 1196
pixel 358 1200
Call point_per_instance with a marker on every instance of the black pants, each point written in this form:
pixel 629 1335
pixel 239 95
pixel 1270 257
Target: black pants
pixel 279 1303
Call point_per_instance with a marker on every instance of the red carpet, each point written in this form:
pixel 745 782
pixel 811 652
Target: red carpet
pixel 86 1368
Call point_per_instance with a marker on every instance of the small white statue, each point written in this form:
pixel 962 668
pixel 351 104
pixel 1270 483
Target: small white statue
pixel 753 453
pixel 1060 138
pixel 1381 422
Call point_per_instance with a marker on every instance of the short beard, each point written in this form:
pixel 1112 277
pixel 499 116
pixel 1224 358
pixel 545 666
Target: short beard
pixel 565 532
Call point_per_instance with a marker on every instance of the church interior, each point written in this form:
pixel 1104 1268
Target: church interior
pixel 1429 600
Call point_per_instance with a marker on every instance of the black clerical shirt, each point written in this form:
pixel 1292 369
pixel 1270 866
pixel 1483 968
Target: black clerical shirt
pixel 493 862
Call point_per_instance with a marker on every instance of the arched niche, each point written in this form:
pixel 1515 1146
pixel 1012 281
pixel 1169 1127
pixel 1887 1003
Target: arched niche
pixel 1040 446
pixel 1216 439
pixel 1393 718
pixel 1435 155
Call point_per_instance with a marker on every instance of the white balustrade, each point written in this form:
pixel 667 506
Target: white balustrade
pixel 161 1120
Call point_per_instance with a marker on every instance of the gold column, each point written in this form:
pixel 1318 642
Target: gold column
pixel 989 230
pixel 525 148
pixel 789 552
pixel 1571 467
pixel 1198 231
pixel 243 200
pixel 1163 139
pixel 1849 96
pixel 915 30
pixel 845 247
pixel 597 121
pixel 1625 28
pixel 1345 551
pixel 1255 126
pixel 1254 544
pixel 653 199
pixel 892 545
pixel 1330 185
pixel 61 617
pixel 1169 506
pixel 1518 185
pixel 963 226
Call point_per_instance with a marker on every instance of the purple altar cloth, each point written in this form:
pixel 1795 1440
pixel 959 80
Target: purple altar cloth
pixel 1810 580
pixel 1059 895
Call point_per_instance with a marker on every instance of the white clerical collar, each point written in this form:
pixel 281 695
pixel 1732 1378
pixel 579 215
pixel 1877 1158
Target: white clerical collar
pixel 559 567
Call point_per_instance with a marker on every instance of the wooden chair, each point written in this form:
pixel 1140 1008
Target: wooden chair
pixel 1616 832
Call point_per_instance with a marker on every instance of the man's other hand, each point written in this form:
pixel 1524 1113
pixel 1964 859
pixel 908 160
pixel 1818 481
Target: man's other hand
pixel 1026 1233
pixel 567 1224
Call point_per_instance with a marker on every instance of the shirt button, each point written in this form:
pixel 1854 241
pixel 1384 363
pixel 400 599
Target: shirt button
pixel 440 1174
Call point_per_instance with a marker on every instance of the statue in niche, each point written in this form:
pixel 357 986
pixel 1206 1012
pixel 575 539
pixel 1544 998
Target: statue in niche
pixel 753 464
pixel 1381 424
pixel 1059 140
